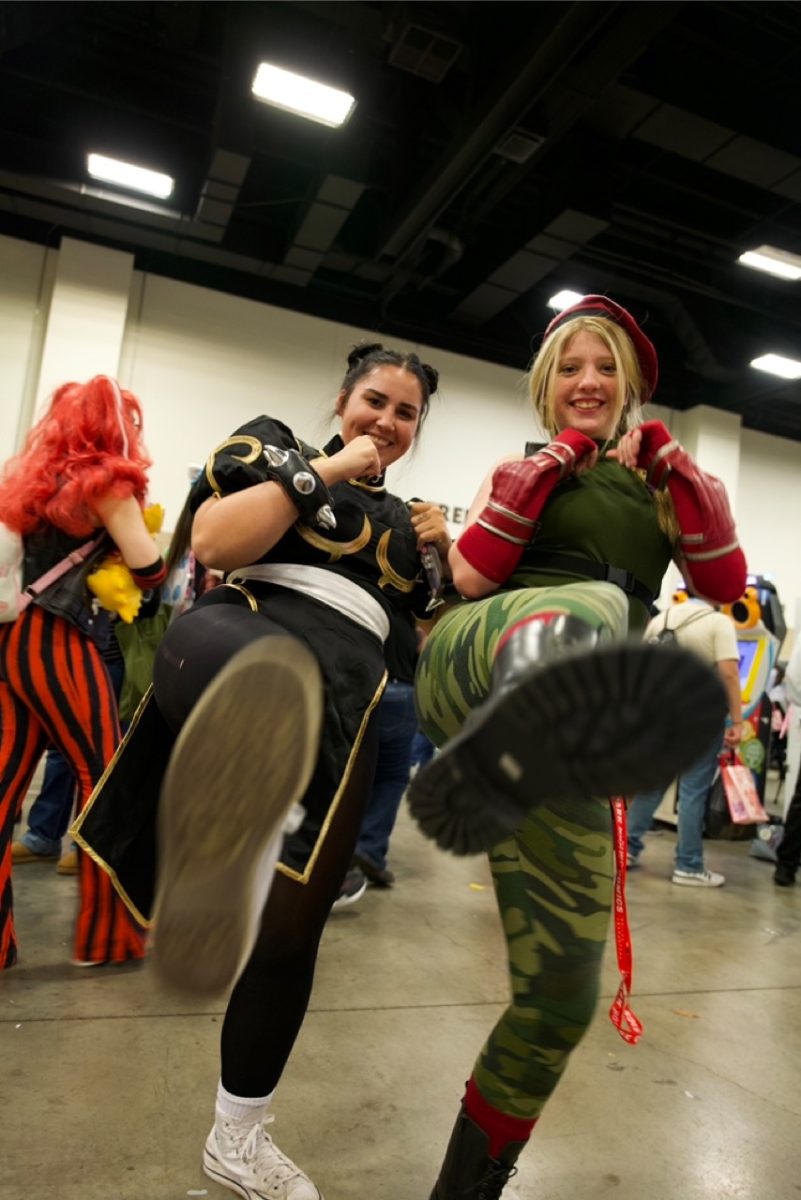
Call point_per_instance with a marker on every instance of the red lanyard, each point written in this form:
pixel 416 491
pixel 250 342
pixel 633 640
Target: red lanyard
pixel 620 1014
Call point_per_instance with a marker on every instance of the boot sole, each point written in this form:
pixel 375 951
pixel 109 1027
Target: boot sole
pixel 618 720
pixel 244 756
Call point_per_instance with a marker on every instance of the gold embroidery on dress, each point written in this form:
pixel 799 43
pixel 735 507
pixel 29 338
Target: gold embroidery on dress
pixel 256 448
pixel 336 550
pixel 367 487
pixel 390 576
pixel 251 599
pixel 305 875
pixel 75 829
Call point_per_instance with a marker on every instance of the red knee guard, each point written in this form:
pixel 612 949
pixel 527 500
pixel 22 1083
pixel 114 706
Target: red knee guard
pixel 710 557
pixel 508 522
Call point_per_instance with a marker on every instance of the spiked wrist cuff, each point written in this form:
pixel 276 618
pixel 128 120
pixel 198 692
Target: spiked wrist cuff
pixel 302 484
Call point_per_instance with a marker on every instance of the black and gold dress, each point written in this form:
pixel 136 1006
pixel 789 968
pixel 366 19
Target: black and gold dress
pixel 335 590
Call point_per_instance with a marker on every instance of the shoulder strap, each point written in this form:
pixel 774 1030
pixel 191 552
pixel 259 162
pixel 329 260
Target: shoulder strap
pixel 73 559
pixel 695 617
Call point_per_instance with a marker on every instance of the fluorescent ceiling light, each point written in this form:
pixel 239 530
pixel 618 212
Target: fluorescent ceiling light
pixel 776 262
pixel 775 364
pixel 306 97
pixel 564 299
pixel 128 175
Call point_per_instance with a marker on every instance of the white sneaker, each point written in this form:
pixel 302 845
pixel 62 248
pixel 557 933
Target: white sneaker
pixel 699 878
pixel 243 1157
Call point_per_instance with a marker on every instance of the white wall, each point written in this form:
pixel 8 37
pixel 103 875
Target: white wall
pixel 202 362
pixel 768 509
pixel 713 438
pixel 26 280
pixel 87 315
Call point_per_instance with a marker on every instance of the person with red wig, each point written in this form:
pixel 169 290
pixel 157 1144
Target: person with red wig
pixel 545 711
pixel 81 472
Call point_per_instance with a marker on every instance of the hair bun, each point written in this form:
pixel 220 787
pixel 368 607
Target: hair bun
pixel 358 353
pixel 432 377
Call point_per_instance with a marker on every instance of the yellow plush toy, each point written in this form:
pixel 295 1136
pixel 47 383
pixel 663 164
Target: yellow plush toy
pixel 112 583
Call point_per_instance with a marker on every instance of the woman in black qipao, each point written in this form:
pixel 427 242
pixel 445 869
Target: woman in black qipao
pixel 260 722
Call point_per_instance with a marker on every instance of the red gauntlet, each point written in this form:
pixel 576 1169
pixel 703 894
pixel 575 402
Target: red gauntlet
pixel 495 543
pixel 709 555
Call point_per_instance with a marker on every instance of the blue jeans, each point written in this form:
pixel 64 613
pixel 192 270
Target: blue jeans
pixel 422 750
pixel 694 787
pixel 397 725
pixel 51 811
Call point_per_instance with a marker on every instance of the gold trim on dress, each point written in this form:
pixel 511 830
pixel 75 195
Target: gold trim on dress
pixel 335 550
pixel 75 828
pixel 367 487
pixel 304 876
pixel 251 599
pixel 256 448
pixel 390 575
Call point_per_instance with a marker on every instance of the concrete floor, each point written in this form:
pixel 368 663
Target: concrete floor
pixel 107 1083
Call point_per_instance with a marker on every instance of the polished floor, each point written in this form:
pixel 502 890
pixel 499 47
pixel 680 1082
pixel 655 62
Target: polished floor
pixel 107 1082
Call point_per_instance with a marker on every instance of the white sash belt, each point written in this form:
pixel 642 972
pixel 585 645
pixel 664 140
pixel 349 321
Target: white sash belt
pixel 326 586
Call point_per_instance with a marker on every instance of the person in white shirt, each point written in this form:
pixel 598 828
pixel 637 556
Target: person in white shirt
pixel 698 627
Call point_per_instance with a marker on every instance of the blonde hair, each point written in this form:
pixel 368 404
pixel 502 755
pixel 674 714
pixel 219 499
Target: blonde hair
pixel 630 382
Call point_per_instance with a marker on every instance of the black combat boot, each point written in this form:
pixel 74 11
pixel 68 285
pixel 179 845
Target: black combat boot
pixel 567 717
pixel 468 1172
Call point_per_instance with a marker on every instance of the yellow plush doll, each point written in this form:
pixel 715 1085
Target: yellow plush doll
pixel 112 583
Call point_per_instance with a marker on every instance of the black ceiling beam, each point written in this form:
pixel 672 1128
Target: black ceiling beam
pixel 622 41
pixel 539 61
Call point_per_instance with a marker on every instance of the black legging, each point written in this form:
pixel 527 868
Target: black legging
pixel 268 1004
pixel 789 850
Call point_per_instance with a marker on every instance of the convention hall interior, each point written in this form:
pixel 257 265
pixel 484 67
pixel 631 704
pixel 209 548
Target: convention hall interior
pixel 495 162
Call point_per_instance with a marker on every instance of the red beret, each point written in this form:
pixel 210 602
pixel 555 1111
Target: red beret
pixel 602 306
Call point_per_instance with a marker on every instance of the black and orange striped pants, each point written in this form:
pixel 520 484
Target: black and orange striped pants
pixel 54 688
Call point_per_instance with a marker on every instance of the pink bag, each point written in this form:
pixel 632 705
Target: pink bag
pixel 744 804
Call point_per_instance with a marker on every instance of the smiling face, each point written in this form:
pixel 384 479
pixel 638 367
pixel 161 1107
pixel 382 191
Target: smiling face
pixel 586 387
pixel 386 404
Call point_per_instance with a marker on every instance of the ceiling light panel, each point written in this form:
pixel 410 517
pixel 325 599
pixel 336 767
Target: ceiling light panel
pixel 564 299
pixel 777 262
pixel 129 175
pixel 776 364
pixel 304 97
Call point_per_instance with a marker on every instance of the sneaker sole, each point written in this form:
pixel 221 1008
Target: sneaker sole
pixel 702 883
pixel 343 901
pixel 214 1169
pixel 615 721
pixel 244 756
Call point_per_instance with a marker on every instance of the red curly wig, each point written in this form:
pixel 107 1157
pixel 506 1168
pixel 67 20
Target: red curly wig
pixel 85 447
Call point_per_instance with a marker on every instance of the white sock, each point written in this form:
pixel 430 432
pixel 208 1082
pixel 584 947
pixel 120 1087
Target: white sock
pixel 240 1108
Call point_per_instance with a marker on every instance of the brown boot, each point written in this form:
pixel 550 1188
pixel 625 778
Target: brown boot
pixel 468 1172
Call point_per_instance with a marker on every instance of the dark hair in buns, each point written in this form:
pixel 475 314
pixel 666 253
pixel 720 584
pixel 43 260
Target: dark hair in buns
pixel 365 357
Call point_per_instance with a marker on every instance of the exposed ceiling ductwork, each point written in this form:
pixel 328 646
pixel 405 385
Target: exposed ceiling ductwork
pixel 497 154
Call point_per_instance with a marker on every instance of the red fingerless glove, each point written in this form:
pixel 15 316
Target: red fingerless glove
pixel 494 544
pixel 710 557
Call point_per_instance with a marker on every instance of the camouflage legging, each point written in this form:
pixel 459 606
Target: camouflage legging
pixel 553 878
